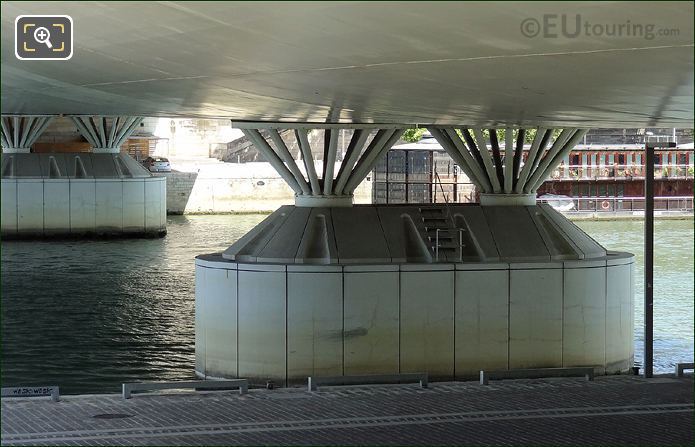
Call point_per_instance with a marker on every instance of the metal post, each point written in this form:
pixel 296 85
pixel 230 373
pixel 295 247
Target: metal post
pixel 649 261
pixel 649 254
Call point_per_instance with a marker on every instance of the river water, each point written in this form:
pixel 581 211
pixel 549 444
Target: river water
pixel 90 315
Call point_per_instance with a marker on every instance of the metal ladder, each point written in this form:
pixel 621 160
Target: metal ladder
pixel 440 226
pixel 442 235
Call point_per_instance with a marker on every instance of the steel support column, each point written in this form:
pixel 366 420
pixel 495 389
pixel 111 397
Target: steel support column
pixel 506 183
pixel 303 141
pixel 508 160
pixel 332 189
pixel 487 160
pixel 106 134
pixel 649 261
pixel 359 138
pixel 19 133
pixel 648 363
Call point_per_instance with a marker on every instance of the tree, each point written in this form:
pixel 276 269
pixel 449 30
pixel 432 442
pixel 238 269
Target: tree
pixel 415 134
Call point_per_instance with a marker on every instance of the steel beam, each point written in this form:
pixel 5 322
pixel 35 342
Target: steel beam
pixel 91 124
pixel 369 159
pixel 38 129
pixel 359 138
pixel 285 155
pixel 497 159
pixel 453 145
pixel 477 160
pixel 303 141
pixel 395 136
pixel 545 138
pixel 562 153
pixel 4 140
pixel 270 155
pixel 6 132
pixel 475 152
pixel 82 128
pixel 27 123
pixel 15 129
pixel 101 128
pixel 124 124
pixel 476 168
pixel 508 160
pixel 445 139
pixel 535 145
pixel 369 154
pixel 329 160
pixel 128 131
pixel 487 160
pixel 518 154
pixel 114 128
pixel 544 165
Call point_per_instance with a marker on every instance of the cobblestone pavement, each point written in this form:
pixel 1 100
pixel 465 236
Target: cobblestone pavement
pixel 610 410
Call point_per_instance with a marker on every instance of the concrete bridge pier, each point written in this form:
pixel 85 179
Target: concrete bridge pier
pixel 327 288
pixel 103 193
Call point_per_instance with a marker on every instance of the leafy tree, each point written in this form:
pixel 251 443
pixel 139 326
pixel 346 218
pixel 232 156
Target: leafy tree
pixel 413 135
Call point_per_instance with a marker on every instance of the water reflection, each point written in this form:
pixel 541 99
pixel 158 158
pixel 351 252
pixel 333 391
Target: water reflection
pixel 89 315
pixel 673 284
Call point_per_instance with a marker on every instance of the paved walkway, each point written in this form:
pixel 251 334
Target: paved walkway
pixel 610 410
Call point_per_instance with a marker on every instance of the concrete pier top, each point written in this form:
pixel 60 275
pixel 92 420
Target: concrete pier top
pixel 612 410
pixel 414 233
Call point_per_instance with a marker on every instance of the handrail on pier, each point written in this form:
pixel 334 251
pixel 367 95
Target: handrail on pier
pixel 314 382
pixel 537 373
pixel 242 384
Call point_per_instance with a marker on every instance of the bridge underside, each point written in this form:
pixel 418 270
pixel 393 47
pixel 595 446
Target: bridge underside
pixel 424 63
pixel 403 289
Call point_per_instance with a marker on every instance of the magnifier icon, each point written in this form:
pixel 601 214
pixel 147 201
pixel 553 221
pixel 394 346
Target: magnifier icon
pixel 42 35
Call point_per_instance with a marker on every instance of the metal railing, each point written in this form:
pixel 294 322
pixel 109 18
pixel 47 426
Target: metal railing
pixel 618 204
pixel 130 388
pixel 536 373
pixel 313 382
pixel 613 172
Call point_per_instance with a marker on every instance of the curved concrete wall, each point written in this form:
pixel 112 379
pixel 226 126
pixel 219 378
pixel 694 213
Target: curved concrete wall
pixel 36 207
pixel 69 194
pixel 287 322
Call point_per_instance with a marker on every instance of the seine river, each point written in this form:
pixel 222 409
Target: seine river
pixel 90 315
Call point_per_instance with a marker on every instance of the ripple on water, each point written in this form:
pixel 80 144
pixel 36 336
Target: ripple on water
pixel 90 315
